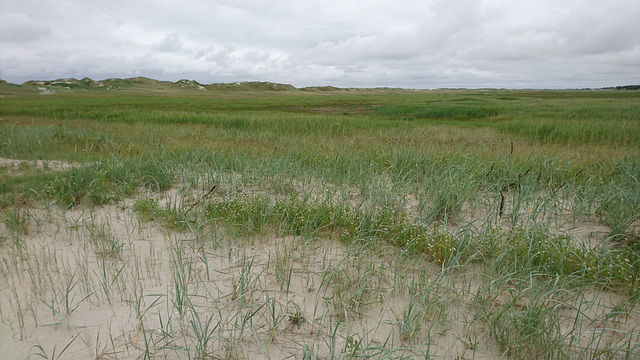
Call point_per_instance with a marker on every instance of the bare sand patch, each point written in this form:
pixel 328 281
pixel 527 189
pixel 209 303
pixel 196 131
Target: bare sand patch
pixel 54 165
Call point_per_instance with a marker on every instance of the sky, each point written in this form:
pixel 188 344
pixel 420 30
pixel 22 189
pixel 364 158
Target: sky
pixel 422 44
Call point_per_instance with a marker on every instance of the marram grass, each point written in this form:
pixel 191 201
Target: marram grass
pixel 379 224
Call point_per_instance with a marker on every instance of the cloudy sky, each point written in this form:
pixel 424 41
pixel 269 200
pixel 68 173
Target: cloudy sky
pixel 347 43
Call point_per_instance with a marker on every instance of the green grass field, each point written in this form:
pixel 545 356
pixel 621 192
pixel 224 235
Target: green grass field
pixel 319 223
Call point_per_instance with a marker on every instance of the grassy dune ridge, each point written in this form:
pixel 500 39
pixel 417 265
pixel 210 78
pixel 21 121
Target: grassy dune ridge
pixel 321 224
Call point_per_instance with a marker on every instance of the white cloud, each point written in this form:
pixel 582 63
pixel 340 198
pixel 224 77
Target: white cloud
pixel 412 43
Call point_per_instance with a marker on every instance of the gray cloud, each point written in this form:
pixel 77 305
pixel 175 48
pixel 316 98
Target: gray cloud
pixel 170 43
pixel 424 44
pixel 22 28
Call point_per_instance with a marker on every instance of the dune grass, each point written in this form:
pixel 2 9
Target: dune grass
pixel 333 224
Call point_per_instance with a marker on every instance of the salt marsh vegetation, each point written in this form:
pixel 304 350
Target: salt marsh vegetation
pixel 342 224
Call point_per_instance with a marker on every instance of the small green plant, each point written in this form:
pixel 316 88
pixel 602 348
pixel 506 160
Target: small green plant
pixel 247 282
pixel 102 238
pixel 174 216
pixel 296 316
pixel 55 355
pixel 156 175
pixel 202 331
pixel 283 266
pixel 64 296
pixel 620 214
pixel 147 208
pixel 526 325
pixel 17 220
pixel 446 206
pixel 171 216
pixel 410 322
pixel 353 290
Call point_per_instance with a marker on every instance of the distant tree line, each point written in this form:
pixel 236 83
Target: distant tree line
pixel 624 87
